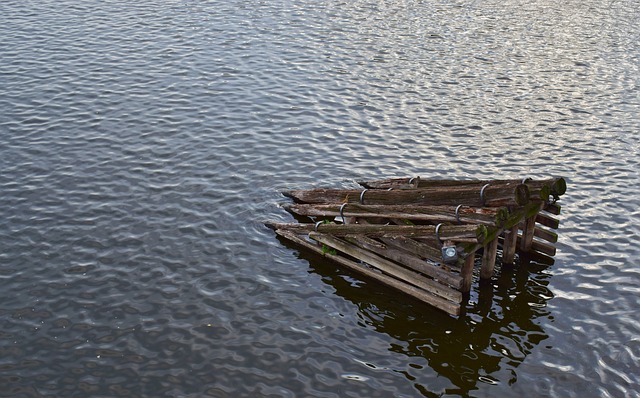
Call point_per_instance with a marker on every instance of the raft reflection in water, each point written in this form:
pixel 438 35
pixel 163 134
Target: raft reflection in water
pixel 498 327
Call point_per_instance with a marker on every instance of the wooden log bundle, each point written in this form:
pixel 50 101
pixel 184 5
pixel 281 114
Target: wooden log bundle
pixel 421 236
pixel 508 194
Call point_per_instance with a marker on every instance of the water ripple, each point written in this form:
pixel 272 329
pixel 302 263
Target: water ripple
pixel 144 143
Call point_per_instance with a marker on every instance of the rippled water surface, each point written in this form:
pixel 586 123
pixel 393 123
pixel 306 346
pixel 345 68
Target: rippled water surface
pixel 143 143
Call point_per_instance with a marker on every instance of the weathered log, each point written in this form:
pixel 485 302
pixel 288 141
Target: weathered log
pixel 544 189
pixel 433 214
pixel 509 245
pixel 527 234
pixel 489 259
pixel 454 233
pixel 517 214
pixel 557 186
pixel 487 195
pixel 389 267
pixel 406 259
pixel 467 272
pixel 426 297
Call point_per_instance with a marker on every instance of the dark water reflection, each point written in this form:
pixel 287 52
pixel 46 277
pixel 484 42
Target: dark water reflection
pixel 143 143
pixel 496 331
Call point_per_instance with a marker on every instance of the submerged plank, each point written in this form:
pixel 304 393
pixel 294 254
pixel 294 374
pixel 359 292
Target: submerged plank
pixel 412 246
pixel 389 267
pixel 450 307
pixel 407 259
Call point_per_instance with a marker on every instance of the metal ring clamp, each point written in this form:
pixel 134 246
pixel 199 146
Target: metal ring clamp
pixel 315 228
pixel 458 214
pixel 524 180
pixel 342 213
pixel 482 198
pixel 362 196
pixel 438 233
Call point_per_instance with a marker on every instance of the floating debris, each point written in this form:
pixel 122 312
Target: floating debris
pixel 422 236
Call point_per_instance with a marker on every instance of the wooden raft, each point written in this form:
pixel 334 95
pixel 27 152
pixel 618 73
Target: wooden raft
pixel 422 236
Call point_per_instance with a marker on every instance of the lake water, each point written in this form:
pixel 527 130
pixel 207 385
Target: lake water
pixel 143 143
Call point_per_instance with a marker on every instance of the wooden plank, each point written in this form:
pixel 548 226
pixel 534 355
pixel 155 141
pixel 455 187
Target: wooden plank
pixel 537 257
pixel 540 247
pixel 512 195
pixel 429 249
pixel 389 267
pixel 433 214
pixel 476 233
pixel 547 221
pixel 407 259
pixel 552 208
pixel 489 259
pixel 545 234
pixel 450 307
pixel 420 249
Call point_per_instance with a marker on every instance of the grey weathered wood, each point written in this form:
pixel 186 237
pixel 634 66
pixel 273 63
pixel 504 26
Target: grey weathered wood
pixel 420 249
pixel 429 249
pixel 389 267
pixel 406 259
pixel 420 294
